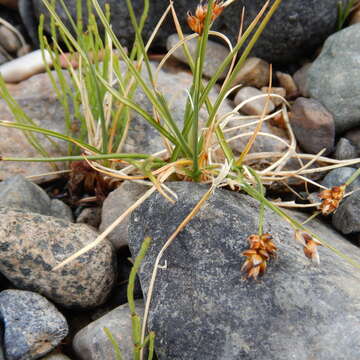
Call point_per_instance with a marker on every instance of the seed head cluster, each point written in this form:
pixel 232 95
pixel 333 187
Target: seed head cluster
pixel 196 22
pixel 310 245
pixel 331 199
pixel 261 250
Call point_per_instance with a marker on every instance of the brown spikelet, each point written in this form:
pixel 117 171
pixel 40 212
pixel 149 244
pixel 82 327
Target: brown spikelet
pixel 309 245
pixel 331 199
pixel 196 22
pixel 261 250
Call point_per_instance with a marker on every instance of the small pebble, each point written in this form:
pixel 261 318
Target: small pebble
pixel 91 343
pixel 56 356
pixel 345 150
pixel 32 325
pixel 300 78
pixel 287 82
pixel 255 72
pixel 90 216
pixel 254 107
pixel 277 91
pixel 9 40
pixel 313 126
pixel 114 205
pixel 215 54
pixel 353 136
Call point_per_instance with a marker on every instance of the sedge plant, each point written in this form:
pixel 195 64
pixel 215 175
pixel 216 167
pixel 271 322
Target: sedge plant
pixel 105 80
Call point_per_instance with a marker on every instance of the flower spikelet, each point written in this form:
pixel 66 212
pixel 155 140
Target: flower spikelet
pixel 196 22
pixel 261 250
pixel 309 245
pixel 331 199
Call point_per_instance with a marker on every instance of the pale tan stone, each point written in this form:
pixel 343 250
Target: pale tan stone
pixel 277 91
pixel 254 72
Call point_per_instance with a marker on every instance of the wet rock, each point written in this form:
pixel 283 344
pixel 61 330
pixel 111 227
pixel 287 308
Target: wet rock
pixel 19 193
pixel 277 91
pixel 287 82
pixel 32 325
pixel 201 293
pixel 253 107
pixel 346 218
pixel 38 100
pixel 114 205
pixel 333 77
pixel 313 126
pixel 90 216
pixel 32 245
pixel 309 22
pixel 300 78
pixel 91 343
pixel 255 72
pixel 8 40
pixel 345 150
pixel 215 54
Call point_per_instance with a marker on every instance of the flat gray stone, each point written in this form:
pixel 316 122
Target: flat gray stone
pixel 31 245
pixel 91 342
pixel 333 77
pixel 345 150
pixel 32 325
pixel 295 311
pixel 339 176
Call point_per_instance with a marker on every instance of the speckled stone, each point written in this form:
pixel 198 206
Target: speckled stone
pixel 202 308
pixel 32 244
pixel 91 342
pixel 32 325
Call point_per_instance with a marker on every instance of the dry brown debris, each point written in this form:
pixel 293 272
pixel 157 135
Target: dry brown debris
pixel 331 199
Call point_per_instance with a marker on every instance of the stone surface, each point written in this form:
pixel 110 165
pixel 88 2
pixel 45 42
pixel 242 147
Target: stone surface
pixel 339 176
pixel 38 100
pixel 287 82
pixel 313 126
pixel 32 325
pixel 353 136
pixel 300 78
pixel 32 244
pixel 19 193
pixel 255 72
pixel 215 54
pixel 346 218
pixel 277 91
pixel 253 107
pixel 296 29
pixel 56 356
pixel 333 77
pixel 61 210
pixel 90 216
pixel 345 150
pixel 3 59
pixel 114 205
pixel 295 311
pixel 91 343
pixel 8 40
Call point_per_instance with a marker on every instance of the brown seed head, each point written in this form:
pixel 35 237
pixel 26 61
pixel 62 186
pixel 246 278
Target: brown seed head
pixel 261 249
pixel 196 22
pixel 309 245
pixel 331 199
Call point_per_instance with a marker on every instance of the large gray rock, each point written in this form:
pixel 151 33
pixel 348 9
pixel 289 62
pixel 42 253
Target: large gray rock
pixel 31 245
pixel 32 325
pixel 202 308
pixel 297 28
pixel 91 342
pixel 333 77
